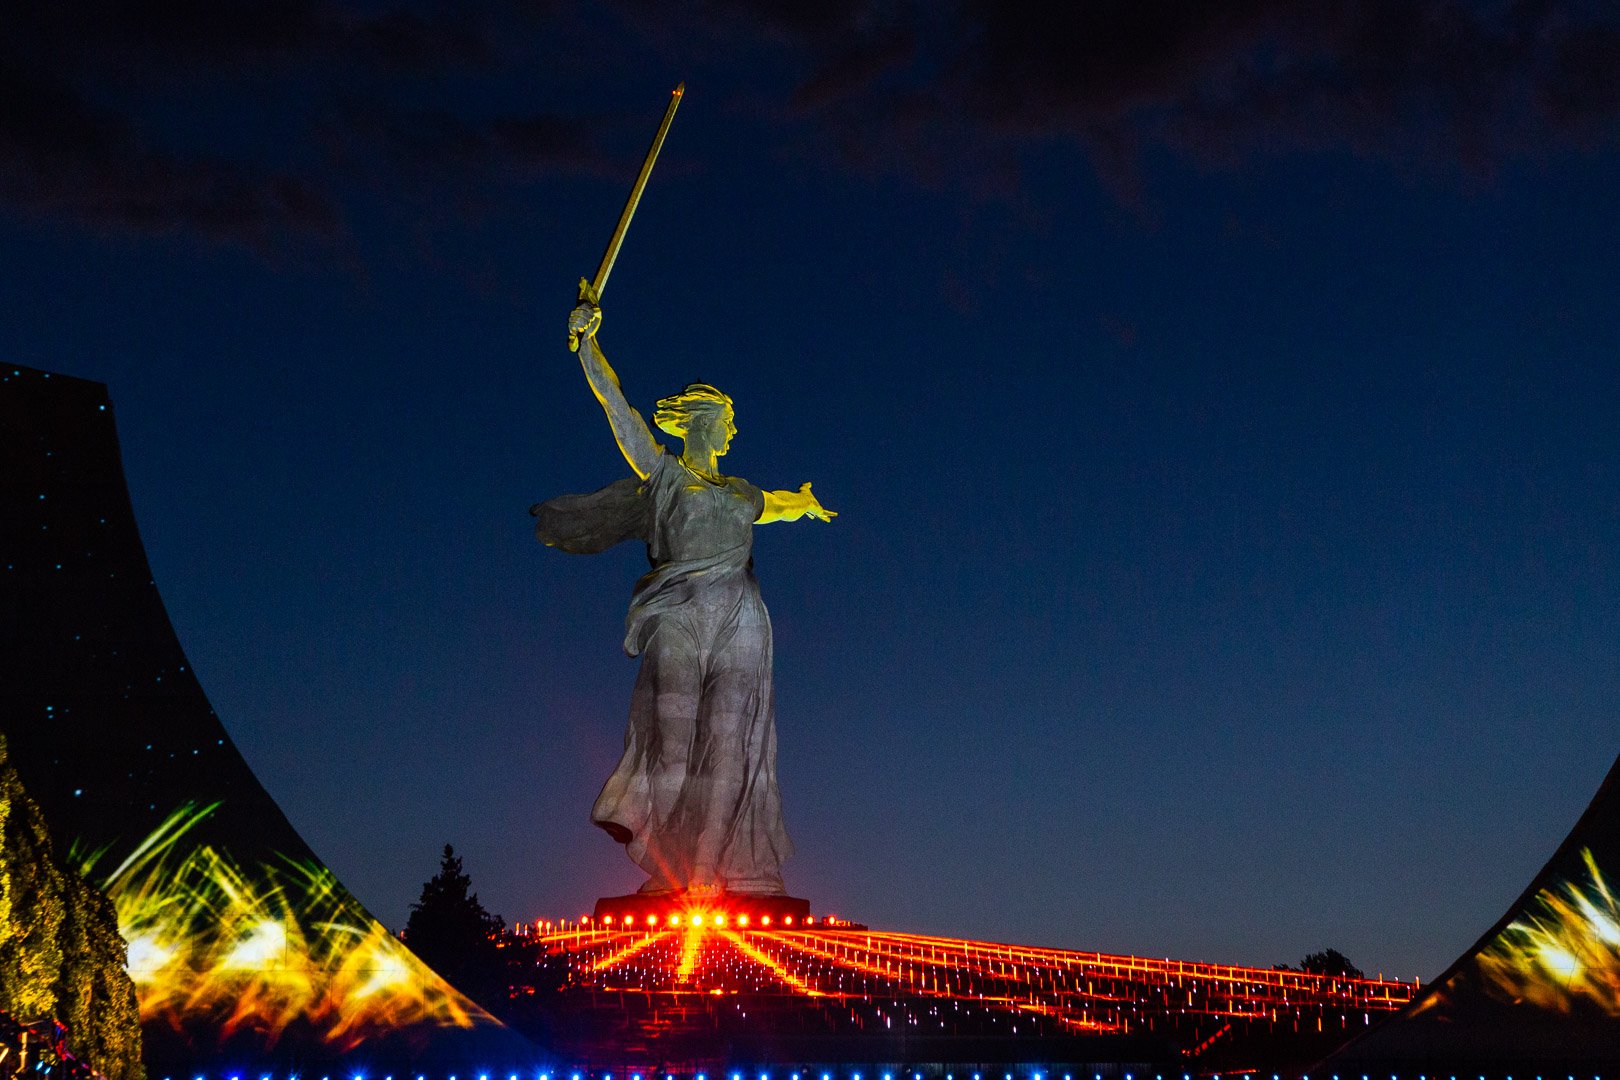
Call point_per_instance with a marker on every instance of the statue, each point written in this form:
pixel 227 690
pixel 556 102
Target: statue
pixel 694 798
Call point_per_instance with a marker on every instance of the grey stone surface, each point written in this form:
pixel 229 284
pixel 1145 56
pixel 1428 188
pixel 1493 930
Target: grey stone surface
pixel 694 798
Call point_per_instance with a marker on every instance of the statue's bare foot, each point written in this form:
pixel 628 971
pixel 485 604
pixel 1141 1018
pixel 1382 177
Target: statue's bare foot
pixel 761 886
pixel 705 890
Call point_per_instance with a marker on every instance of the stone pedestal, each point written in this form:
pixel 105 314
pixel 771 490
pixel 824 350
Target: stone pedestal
pixel 678 909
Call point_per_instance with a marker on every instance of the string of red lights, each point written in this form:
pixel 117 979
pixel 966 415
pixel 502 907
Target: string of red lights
pixel 703 971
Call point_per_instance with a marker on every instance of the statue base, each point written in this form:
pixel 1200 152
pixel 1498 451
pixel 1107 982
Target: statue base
pixel 722 910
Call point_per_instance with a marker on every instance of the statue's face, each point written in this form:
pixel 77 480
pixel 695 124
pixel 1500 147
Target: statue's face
pixel 715 434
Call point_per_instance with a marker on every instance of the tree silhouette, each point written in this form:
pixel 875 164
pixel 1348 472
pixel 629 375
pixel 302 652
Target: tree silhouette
pixel 1332 962
pixel 453 934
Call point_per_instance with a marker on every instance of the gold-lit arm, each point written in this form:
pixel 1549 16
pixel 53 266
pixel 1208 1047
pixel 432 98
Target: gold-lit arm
pixel 630 429
pixel 793 505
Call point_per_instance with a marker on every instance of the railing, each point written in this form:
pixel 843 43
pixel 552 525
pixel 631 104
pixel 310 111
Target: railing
pixel 38 1051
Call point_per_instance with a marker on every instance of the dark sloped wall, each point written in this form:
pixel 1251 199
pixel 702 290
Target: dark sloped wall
pixel 1542 987
pixel 242 945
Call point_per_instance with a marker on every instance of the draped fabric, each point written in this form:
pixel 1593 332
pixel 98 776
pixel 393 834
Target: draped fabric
pixel 695 797
pixel 589 524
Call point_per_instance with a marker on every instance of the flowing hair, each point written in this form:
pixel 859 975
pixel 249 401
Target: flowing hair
pixel 699 401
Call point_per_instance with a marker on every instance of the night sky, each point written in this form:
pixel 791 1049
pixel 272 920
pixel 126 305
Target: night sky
pixel 1222 408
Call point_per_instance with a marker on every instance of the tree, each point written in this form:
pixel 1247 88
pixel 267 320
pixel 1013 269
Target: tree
pixel 453 934
pixel 110 1016
pixel 61 956
pixel 30 949
pixel 1332 962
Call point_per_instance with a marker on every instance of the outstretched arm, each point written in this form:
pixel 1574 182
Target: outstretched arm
pixel 793 505
pixel 635 441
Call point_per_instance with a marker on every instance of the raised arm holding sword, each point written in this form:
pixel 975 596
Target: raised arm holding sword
pixel 694 798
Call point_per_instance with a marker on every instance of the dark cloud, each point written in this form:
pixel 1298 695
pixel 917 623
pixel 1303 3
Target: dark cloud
pixel 223 34
pixel 231 120
pixel 412 95
pixel 851 71
pixel 60 158
pixel 1437 82
pixel 792 23
pixel 1579 97
pixel 519 147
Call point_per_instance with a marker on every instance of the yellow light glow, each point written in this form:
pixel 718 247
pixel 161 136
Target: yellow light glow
pixel 742 920
pixel 148 957
pixel 691 945
pixel 1604 927
pixel 1563 949
pixel 264 946
pixel 260 948
pixel 1559 961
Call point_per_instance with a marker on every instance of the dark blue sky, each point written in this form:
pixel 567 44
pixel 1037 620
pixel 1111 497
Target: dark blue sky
pixel 1223 414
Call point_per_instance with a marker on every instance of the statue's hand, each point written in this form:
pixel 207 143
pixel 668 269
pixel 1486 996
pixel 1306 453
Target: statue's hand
pixel 584 321
pixel 815 509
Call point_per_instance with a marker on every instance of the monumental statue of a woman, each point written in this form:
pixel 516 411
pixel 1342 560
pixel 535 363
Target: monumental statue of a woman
pixel 694 798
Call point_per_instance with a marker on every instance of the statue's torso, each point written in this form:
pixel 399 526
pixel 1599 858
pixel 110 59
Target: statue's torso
pixel 699 538
pixel 698 519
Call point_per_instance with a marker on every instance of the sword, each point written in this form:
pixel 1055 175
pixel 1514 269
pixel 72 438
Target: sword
pixel 590 292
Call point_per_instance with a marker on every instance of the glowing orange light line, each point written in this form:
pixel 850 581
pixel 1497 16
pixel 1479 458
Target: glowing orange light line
pixel 1254 996
pixel 957 959
pixel 1081 991
pixel 1000 1002
pixel 989 953
pixel 743 945
pixel 940 952
pixel 628 951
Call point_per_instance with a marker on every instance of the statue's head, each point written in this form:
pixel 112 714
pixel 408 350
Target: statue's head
pixel 700 415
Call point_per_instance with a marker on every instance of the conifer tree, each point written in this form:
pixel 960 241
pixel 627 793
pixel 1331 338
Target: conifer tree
pixel 453 934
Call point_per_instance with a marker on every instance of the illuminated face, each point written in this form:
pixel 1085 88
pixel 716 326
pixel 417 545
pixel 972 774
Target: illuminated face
pixel 714 434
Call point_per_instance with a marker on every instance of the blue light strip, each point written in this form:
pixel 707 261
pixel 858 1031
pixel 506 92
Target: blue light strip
pixel 1044 1071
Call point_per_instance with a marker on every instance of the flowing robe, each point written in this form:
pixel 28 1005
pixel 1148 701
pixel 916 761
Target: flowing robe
pixel 694 798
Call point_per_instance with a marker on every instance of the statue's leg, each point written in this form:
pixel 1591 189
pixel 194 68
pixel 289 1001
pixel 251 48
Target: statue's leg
pixel 670 685
pixel 735 696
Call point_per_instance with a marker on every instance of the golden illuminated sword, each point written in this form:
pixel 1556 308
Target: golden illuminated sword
pixel 590 292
